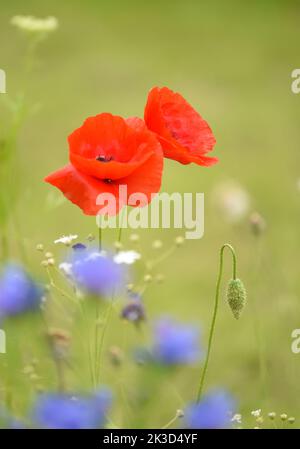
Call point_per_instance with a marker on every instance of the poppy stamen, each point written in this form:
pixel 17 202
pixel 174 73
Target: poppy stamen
pixel 102 158
pixel 108 181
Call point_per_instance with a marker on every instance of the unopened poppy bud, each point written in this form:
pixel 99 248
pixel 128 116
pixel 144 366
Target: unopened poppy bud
pixel 236 297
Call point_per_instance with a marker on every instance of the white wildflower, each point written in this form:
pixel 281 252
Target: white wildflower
pixel 66 268
pixel 256 413
pixel 66 239
pixel 127 257
pixel 34 24
pixel 237 418
pixel 96 254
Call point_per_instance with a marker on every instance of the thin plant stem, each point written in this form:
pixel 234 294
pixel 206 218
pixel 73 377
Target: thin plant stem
pixel 102 338
pixel 166 426
pixel 99 345
pixel 119 236
pixel 58 362
pixel 214 317
pixel 60 290
pixel 152 264
pixel 100 238
pixel 258 329
pixel 120 227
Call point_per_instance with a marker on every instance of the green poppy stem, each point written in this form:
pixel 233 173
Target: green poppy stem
pixel 214 317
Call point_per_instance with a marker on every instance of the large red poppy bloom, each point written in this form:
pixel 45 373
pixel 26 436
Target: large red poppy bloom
pixel 105 152
pixel 184 135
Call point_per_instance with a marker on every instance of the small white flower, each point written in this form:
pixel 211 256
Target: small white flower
pixel 256 413
pixel 66 239
pixel 95 255
pixel 237 418
pixel 66 268
pixel 34 25
pixel 127 257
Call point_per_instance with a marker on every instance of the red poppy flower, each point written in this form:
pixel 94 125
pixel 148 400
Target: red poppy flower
pixel 184 135
pixel 105 152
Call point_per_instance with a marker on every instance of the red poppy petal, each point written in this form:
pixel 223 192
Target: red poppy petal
pixel 147 179
pixel 174 151
pixel 124 145
pixel 185 136
pixel 106 170
pixel 101 134
pixel 81 189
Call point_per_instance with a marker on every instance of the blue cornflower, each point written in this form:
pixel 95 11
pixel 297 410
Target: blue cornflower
pixel 96 272
pixel 134 310
pixel 18 292
pixel 64 411
pixel 78 247
pixel 175 343
pixel 212 412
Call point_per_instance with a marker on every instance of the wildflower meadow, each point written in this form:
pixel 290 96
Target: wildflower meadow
pixel 149 217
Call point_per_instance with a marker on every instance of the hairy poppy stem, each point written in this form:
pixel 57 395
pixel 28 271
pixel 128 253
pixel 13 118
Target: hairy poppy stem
pixel 214 317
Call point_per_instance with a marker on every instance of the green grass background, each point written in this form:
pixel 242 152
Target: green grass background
pixel 233 61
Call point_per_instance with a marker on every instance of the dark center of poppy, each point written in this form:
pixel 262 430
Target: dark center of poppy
pixel 102 158
pixel 107 181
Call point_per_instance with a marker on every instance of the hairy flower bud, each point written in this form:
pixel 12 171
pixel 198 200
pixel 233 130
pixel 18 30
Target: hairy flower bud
pixel 236 297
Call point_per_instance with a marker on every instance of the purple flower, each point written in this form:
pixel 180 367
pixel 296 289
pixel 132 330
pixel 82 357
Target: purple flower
pixel 78 247
pixel 212 412
pixel 134 310
pixel 18 292
pixel 175 343
pixel 64 411
pixel 96 273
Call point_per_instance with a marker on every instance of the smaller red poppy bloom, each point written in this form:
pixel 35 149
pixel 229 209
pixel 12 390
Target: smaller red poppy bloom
pixel 107 152
pixel 184 135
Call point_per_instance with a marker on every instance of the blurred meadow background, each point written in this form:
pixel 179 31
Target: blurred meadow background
pixel 232 61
